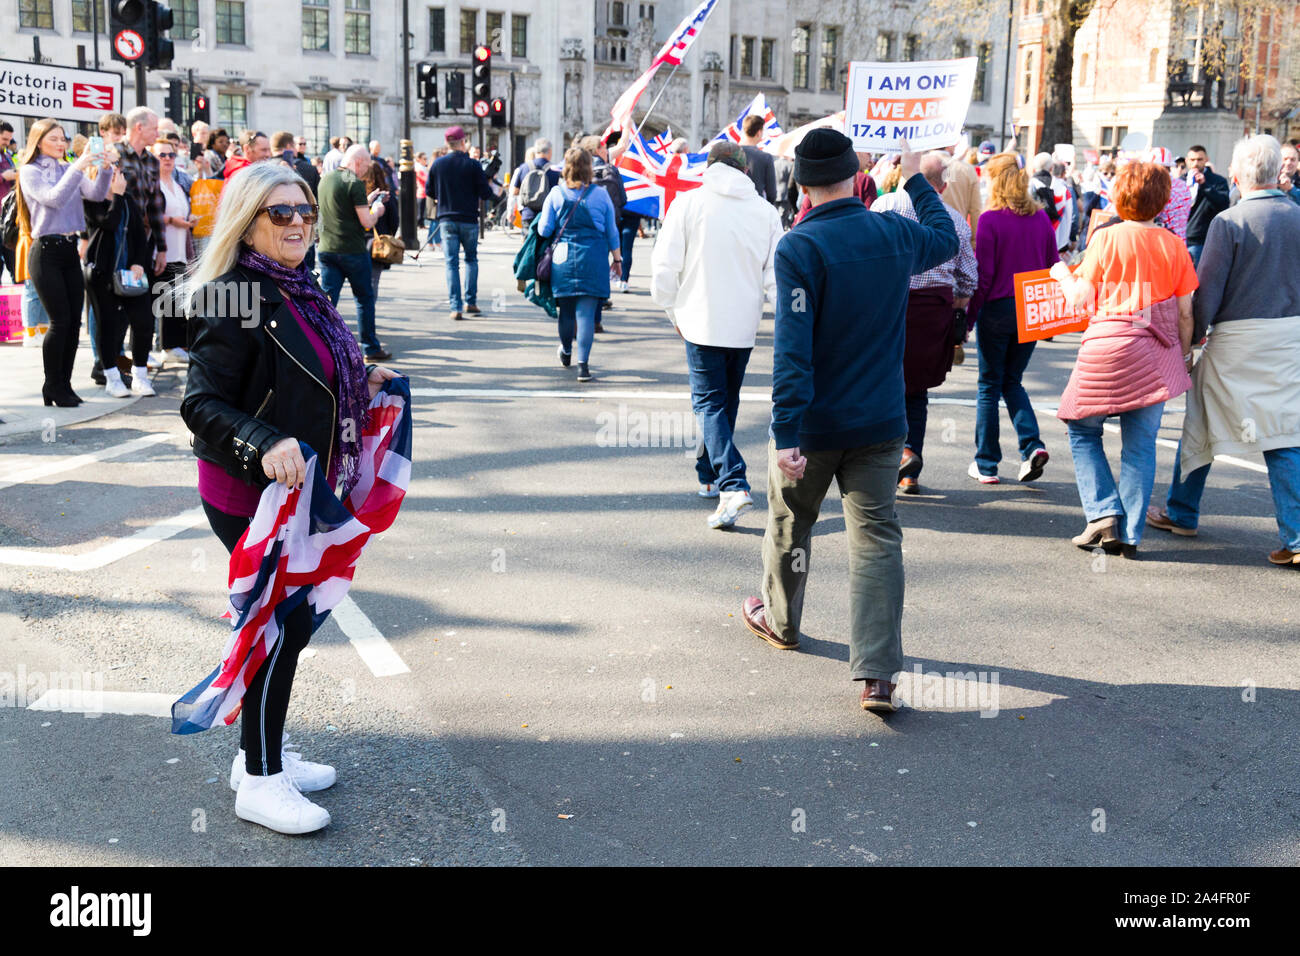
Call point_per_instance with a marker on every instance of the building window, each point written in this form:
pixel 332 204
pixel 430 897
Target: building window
pixel 519 36
pixel 884 46
pixel 496 33
pixel 232 112
pixel 230 22
pixel 36 14
pixel 617 14
pixel 830 57
pixel 1028 77
pixel 960 49
pixel 802 40
pixel 981 92
pixel 1153 62
pixel 316 125
pixel 185 20
pixel 911 47
pixel 357 124
pixel 468 31
pixel 315 24
pixel 747 56
pixel 437 30
pixel 766 57
pixel 648 12
pixel 356 27
pixel 81 17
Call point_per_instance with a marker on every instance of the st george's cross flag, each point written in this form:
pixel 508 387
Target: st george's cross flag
pixel 672 53
pixel 303 545
pixel 652 180
pixel 771 128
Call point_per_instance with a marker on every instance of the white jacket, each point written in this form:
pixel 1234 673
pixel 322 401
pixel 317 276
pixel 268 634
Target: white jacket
pixel 712 264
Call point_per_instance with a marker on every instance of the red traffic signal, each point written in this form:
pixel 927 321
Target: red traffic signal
pixel 482 53
pixel 498 107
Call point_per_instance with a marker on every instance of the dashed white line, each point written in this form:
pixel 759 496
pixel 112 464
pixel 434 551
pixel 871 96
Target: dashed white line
pixel 37 472
pixel 373 647
pixel 94 703
pixel 108 553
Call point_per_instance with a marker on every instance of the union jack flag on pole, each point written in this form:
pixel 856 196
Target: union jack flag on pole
pixel 303 545
pixel 771 128
pixel 653 180
pixel 672 52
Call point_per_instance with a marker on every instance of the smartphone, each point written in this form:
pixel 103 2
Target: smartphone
pixel 196 150
pixel 95 146
pixel 493 167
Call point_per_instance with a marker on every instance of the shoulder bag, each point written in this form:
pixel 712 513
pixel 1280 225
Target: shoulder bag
pixel 544 260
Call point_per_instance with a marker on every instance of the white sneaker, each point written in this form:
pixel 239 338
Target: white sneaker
pixel 308 777
pixel 276 803
pixel 730 505
pixel 180 356
pixel 140 382
pixel 32 340
pixel 155 360
pixel 113 384
pixel 708 491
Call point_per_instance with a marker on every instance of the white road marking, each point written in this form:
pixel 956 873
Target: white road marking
pixel 373 647
pixel 94 703
pixel 745 396
pixel 108 553
pixel 37 472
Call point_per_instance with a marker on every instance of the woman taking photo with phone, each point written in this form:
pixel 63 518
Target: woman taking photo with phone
pixel 50 194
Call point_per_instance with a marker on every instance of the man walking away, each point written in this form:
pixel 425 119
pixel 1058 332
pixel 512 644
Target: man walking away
pixel 837 399
pixel 714 296
pixel 1042 188
pixel 457 183
pixel 1209 198
pixel 533 181
pixel 762 170
pixel 346 213
pixel 934 295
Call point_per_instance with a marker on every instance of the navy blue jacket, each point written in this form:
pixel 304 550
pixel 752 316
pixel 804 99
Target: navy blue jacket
pixel 457 183
pixel 841 301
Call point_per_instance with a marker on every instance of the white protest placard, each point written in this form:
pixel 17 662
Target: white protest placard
pixel 924 102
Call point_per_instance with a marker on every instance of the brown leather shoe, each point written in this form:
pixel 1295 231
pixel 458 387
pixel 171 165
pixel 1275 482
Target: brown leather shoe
pixel 456 316
pixel 1282 557
pixel 910 464
pixel 473 310
pixel 1157 517
pixel 878 695
pixel 908 486
pixel 755 616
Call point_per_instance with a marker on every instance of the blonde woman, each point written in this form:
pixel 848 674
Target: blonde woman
pixel 1020 238
pixel 271 363
pixel 49 197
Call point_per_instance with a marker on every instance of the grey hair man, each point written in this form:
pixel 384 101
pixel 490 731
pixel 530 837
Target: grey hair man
pixel 529 202
pixel 140 168
pixel 1247 299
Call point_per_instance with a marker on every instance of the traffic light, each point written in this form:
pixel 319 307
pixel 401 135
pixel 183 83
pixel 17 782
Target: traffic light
pixel 200 109
pixel 127 29
pixel 159 50
pixel 498 113
pixel 175 102
pixel 426 86
pixel 482 80
pixel 455 91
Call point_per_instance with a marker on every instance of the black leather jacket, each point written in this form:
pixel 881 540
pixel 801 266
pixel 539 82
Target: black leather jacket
pixel 254 379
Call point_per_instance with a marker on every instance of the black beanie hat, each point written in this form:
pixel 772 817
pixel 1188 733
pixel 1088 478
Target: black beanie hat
pixel 824 157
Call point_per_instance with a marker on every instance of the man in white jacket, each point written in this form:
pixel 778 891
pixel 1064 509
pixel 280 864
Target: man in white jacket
pixel 711 269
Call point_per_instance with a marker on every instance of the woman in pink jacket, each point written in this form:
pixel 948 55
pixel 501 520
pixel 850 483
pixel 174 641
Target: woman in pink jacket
pixel 1135 355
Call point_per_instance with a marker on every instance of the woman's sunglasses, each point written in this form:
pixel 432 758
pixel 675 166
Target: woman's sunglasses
pixel 281 214
pixel 165 155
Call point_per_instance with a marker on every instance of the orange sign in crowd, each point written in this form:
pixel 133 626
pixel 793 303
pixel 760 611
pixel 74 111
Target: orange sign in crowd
pixel 1041 310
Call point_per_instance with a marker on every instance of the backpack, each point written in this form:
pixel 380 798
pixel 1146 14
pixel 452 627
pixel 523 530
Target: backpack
pixel 533 189
pixel 9 220
pixel 607 176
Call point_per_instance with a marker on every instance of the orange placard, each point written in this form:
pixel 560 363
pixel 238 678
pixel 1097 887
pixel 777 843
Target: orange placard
pixel 204 194
pixel 1041 311
pixel 1099 217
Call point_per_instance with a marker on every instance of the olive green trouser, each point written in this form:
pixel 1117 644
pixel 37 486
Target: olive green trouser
pixel 868 481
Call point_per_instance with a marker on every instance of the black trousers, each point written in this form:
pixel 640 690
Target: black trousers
pixel 171 321
pixel 55 270
pixel 114 314
pixel 266 702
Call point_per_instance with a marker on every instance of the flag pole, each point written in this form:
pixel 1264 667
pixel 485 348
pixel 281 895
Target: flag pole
pixel 655 102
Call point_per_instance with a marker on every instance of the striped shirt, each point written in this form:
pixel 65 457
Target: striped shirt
pixel 961 272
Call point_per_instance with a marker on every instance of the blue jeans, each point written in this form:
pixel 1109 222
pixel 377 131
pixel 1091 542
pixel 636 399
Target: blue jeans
pixel 627 236
pixel 33 311
pixel 355 267
pixel 577 313
pixel 456 235
pixel 918 411
pixel 716 376
pixel 1194 249
pixel 1184 502
pixel 1098 491
pixel 1002 365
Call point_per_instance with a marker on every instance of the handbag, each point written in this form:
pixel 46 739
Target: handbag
pixel 544 260
pixel 124 283
pixel 387 249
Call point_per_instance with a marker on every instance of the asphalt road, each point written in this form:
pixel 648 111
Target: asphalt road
pixel 580 686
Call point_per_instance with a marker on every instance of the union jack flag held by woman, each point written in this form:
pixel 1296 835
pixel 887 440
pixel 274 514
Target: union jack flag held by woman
pixel 303 545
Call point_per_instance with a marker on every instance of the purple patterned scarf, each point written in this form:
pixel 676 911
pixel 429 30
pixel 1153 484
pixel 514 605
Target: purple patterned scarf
pixel 349 367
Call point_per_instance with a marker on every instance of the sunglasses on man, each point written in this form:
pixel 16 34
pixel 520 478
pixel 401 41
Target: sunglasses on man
pixel 281 214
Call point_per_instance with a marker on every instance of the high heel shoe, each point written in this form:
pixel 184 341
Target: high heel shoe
pixel 67 399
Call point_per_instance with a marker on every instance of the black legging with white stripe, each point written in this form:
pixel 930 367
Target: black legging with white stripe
pixel 266 702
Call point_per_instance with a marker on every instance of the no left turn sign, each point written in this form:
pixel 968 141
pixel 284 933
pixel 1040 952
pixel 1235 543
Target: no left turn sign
pixel 129 44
